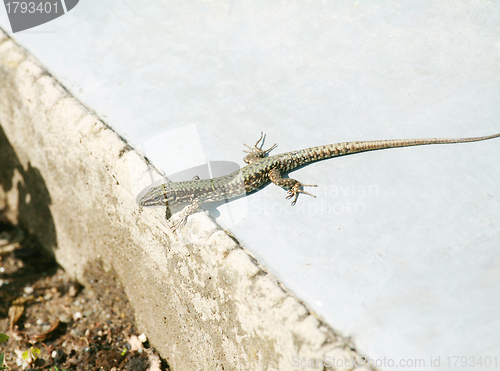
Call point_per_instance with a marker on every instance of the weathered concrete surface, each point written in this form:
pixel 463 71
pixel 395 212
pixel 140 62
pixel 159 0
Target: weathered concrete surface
pixel 72 182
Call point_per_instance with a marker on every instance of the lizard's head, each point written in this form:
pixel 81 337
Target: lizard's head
pixel 157 196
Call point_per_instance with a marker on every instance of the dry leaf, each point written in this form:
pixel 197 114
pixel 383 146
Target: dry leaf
pixel 16 310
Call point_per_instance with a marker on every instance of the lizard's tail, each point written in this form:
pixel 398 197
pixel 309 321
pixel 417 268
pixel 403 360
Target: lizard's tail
pixel 338 149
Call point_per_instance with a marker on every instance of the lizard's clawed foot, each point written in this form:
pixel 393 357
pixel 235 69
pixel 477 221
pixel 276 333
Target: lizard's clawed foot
pixel 295 190
pixel 256 152
pixel 179 222
pixel 181 218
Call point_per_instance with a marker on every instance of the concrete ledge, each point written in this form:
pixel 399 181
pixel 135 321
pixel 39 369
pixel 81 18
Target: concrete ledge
pixel 72 182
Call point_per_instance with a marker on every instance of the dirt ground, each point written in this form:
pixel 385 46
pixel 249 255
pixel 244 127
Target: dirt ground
pixel 54 323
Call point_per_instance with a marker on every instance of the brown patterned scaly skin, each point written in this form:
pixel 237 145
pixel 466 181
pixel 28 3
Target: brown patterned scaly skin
pixel 261 169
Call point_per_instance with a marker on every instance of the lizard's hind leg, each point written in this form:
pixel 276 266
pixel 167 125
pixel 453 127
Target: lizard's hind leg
pixel 255 152
pixel 293 185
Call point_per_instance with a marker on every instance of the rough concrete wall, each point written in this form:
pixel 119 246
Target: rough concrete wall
pixel 72 182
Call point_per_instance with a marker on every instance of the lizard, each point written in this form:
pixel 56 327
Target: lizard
pixel 262 169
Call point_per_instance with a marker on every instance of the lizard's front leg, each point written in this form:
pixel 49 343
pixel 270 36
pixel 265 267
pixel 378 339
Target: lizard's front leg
pixel 192 208
pixel 292 184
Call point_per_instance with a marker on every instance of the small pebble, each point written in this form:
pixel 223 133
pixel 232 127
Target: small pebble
pixel 28 290
pixel 65 318
pixel 17 336
pixel 76 333
pixel 143 338
pixel 77 316
pixel 73 290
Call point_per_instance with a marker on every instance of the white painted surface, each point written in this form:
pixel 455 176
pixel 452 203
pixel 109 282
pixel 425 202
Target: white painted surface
pixel 401 248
